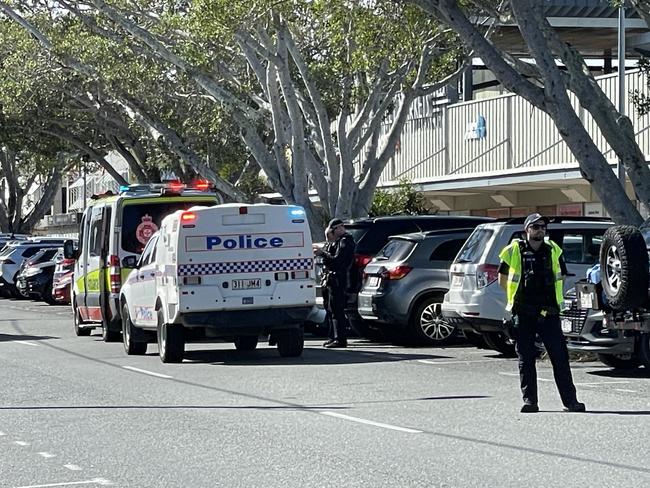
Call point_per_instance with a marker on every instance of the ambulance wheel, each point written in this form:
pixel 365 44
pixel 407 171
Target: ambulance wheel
pixel 129 333
pixel 171 341
pixel 290 342
pixel 246 343
pixel 76 318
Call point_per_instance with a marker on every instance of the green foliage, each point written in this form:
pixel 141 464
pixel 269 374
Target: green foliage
pixel 404 200
pixel 641 100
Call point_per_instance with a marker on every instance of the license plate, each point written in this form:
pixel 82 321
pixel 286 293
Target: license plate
pixel 457 281
pixel 567 325
pixel 373 281
pixel 586 300
pixel 246 284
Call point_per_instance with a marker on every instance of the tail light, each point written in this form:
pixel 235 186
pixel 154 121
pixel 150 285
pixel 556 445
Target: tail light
pixel 202 185
pixel 361 260
pixel 66 264
pixel 396 272
pixel 114 273
pixel 486 274
pixel 188 217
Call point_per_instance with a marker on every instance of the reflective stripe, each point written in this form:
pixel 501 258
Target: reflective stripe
pixel 516 278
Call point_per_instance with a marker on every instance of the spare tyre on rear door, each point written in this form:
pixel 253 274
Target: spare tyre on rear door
pixel 624 267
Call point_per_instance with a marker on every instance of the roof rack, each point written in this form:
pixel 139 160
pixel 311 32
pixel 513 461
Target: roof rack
pixel 556 219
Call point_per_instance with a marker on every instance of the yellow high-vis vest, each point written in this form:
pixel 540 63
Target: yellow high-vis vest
pixel 511 255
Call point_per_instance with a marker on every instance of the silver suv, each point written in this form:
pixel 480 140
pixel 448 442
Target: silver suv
pixel 475 301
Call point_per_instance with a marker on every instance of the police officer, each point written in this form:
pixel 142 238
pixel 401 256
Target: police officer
pixel 532 273
pixel 337 260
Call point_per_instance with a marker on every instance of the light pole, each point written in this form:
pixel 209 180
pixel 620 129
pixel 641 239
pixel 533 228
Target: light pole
pixel 622 98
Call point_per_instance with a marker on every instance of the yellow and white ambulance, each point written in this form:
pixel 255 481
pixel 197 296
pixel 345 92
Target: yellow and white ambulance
pixel 233 271
pixel 115 227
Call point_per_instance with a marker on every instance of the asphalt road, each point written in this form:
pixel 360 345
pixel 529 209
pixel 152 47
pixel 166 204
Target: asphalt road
pixel 75 411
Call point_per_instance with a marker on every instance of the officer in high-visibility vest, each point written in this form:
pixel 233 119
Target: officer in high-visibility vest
pixel 532 273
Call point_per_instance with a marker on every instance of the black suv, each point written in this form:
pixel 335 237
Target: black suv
pixel 405 282
pixel 372 233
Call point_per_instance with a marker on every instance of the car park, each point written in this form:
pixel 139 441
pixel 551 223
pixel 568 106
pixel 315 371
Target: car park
pixel 113 228
pixel 15 253
pixel 231 271
pixel 404 284
pixel 475 301
pixel 372 233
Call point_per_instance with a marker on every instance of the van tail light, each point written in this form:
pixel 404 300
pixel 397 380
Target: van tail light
pixel 486 274
pixel 361 260
pixel 396 272
pixel 202 185
pixel 114 273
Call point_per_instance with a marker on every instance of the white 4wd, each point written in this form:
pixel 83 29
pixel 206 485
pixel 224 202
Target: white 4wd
pixel 236 271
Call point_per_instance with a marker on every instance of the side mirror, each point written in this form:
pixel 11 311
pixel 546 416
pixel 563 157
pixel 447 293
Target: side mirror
pixel 130 262
pixel 69 251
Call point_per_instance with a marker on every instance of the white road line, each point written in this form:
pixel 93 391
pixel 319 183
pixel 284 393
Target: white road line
pixel 72 467
pixel 598 383
pixel 21 443
pixel 27 343
pixel 370 422
pixel 428 361
pixel 144 371
pixel 46 455
pixel 2 433
pixel 624 390
pixel 517 375
pixel 95 481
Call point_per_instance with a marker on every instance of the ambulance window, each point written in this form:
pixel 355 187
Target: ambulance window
pixel 95 237
pixel 149 253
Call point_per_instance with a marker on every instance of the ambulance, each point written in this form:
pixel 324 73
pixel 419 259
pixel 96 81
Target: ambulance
pixel 232 272
pixel 115 227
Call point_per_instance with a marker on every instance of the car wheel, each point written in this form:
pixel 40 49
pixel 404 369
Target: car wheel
pixel 619 361
pixel 109 335
pixel 501 343
pixel 131 347
pixel 427 325
pixel 246 343
pixel 624 267
pixel 76 317
pixel 290 342
pixel 47 295
pixel 171 341
pixel 643 348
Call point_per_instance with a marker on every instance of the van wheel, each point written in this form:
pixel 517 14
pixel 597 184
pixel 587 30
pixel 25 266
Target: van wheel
pixel 427 325
pixel 246 343
pixel 500 342
pixel 109 335
pixel 171 341
pixel 619 361
pixel 643 348
pixel 624 267
pixel 76 318
pixel 290 342
pixel 129 333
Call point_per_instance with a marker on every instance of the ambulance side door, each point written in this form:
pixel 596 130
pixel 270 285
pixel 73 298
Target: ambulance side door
pixel 93 257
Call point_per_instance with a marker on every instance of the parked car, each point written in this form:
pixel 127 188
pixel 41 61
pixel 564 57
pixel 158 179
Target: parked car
pixel 475 301
pixel 586 331
pixel 372 233
pixel 62 280
pixel 31 267
pixel 13 255
pixel 39 275
pixel 404 284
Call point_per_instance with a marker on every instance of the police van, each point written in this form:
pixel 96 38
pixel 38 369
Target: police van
pixel 231 271
pixel 115 227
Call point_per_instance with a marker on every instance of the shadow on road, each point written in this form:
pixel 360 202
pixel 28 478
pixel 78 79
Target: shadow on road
pixel 310 356
pixel 622 373
pixel 21 337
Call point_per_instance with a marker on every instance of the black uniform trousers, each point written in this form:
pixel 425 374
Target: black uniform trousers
pixel 335 306
pixel 549 330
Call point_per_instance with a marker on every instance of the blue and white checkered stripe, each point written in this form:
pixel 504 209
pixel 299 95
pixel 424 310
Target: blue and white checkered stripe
pixel 245 266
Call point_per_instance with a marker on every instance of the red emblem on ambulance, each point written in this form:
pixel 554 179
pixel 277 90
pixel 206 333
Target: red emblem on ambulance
pixel 146 229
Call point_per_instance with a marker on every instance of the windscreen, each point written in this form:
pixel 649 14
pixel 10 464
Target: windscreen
pixel 395 250
pixel 141 221
pixel 475 246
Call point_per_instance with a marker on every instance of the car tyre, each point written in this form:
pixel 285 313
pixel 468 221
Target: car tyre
pixel 76 317
pixel 129 334
pixel 246 343
pixel 171 340
pixel 291 342
pixel 501 343
pixel 427 327
pixel 619 361
pixel 47 295
pixel 624 267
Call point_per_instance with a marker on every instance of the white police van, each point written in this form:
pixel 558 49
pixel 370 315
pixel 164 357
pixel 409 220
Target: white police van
pixel 233 271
